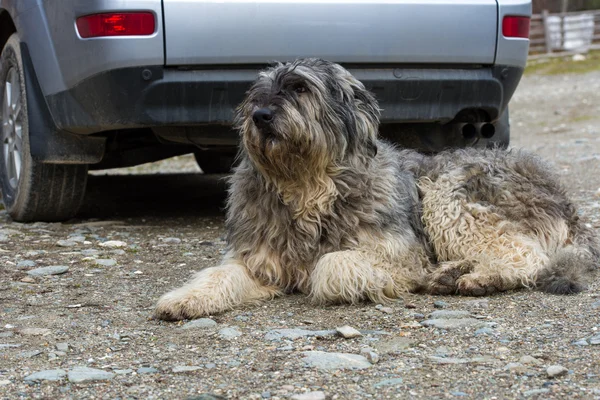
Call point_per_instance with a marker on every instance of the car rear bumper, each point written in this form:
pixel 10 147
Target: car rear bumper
pixel 156 96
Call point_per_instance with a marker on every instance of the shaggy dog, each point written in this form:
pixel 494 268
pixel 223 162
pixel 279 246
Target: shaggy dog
pixel 320 205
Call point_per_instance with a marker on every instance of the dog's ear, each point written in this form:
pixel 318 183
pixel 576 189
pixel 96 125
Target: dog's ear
pixel 366 116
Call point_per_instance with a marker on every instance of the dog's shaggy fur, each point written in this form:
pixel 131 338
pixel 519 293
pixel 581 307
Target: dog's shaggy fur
pixel 320 205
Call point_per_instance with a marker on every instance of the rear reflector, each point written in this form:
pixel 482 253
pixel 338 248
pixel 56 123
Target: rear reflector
pixel 116 24
pixel 515 27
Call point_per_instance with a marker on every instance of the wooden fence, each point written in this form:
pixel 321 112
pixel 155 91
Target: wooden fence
pixel 564 33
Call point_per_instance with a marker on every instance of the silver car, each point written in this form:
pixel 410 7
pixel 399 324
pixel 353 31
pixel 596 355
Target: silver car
pixel 95 84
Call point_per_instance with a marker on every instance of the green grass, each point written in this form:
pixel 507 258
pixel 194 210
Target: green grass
pixel 565 65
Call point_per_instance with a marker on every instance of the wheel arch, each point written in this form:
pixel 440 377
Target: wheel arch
pixel 7 27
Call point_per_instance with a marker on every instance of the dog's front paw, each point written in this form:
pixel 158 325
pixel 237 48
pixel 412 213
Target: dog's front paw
pixel 477 285
pixel 444 279
pixel 181 304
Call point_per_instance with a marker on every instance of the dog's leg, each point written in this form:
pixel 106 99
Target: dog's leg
pixel 211 291
pixel 354 275
pixel 444 279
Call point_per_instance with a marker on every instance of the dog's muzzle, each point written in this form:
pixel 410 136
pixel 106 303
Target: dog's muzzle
pixel 262 118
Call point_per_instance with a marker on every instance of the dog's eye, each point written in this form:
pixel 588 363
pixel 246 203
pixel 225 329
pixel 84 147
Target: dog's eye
pixel 300 88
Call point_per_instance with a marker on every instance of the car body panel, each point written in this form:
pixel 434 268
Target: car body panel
pixel 205 32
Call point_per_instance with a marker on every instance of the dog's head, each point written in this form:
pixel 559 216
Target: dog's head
pixel 308 112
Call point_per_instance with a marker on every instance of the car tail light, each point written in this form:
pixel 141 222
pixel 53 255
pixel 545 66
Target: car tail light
pixel 515 27
pixel 116 24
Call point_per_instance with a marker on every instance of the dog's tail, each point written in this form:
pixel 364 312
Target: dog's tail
pixel 569 271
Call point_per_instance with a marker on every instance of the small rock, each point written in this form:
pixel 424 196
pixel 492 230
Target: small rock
pixel 330 361
pixel 293 334
pixel 62 347
pixel 28 279
pixel 455 323
pixel 581 342
pixel 210 366
pixel 47 375
pixel 410 306
pixel 186 368
pixel 265 395
pixel 484 331
pixel 386 310
pixel 595 304
pixel 206 396
pixel 348 332
pixel 528 360
pixel 171 240
pixel 594 340
pixel 370 355
pixel 112 244
pixel 202 323
pixel 147 370
pixel 554 371
pixel 516 368
pixel 123 371
pixel 448 314
pixel 85 374
pixel 309 396
pixel 478 303
pixel 34 331
pixel 26 264
pixel 77 238
pixel 66 243
pixel 229 333
pixel 5 382
pixel 448 360
pixel 389 382
pixel 29 354
pixel 105 262
pixel 440 304
pixel 7 334
pixel 393 345
pixel 51 270
pixel 90 252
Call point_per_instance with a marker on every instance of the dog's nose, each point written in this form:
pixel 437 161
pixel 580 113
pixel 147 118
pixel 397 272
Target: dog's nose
pixel 262 117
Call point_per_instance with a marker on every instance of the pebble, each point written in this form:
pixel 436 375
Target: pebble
pixel 348 332
pixel 4 382
pixel 331 361
pixel 389 382
pixel 229 333
pixel 479 303
pixel 85 374
pixel 594 340
pixel 448 360
pixel 147 370
pixel 25 264
pixel 555 371
pixel 370 355
pixel 66 243
pixel 122 371
pixel 529 360
pixel 34 331
pixel 28 279
pixel 112 244
pixel 206 396
pixel 105 262
pixel 440 304
pixel 51 270
pixel 484 331
pixel 447 314
pixel 595 304
pixel 202 323
pixel 172 240
pixel 455 323
pixel 581 342
pixel 186 368
pixel 516 368
pixel 90 252
pixel 265 395
pixel 77 238
pixel 309 396
pixel 46 375
pixel 62 347
pixel 534 392
pixel 293 334
pixel 393 345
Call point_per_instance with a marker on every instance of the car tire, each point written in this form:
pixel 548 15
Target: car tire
pixel 31 190
pixel 214 163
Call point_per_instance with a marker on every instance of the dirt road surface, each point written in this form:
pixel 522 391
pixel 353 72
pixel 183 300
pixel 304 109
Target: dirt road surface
pixel 87 333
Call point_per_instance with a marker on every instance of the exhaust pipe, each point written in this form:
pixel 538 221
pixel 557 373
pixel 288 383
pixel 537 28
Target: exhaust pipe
pixel 486 130
pixel 469 131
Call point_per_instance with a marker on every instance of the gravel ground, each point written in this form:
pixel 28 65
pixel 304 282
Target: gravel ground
pixel 84 330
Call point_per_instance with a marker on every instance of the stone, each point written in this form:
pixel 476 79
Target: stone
pixel 26 264
pixel 516 368
pixel 229 333
pixel 529 360
pixel 51 270
pixel 62 347
pixel 386 310
pixel 293 334
pixel 396 344
pixel 478 303
pixel 66 243
pixel 171 240
pixel 484 331
pixel 105 262
pixel 595 304
pixel 29 354
pixel 448 360
pixel 85 374
pixel 389 382
pixel 581 342
pixel 440 304
pixel 555 371
pixel 202 323
pixel 534 392
pixel 112 244
pixel 318 395
pixel 332 361
pixel 123 371
pixel 348 332
pixel 5 382
pixel 147 370
pixel 370 355
pixel 46 375
pixel 454 323
pixel 594 340
pixel 186 368
pixel 90 252
pixel 34 331
pixel 448 314
pixel 206 396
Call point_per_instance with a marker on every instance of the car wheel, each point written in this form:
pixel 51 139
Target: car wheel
pixel 31 190
pixel 214 163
